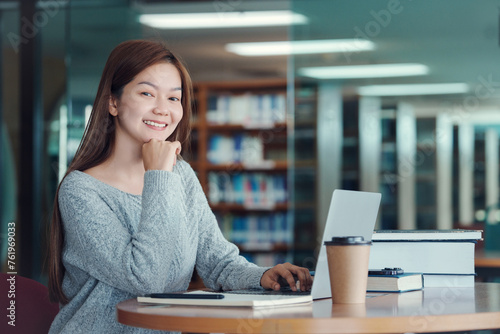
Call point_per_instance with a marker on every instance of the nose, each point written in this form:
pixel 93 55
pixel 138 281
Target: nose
pixel 160 112
pixel 161 107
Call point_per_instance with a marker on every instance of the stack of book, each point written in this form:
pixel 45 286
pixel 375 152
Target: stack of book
pixel 444 257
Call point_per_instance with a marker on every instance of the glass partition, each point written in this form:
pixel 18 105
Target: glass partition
pixel 431 154
pixel 94 29
pixel 410 129
pixel 9 124
pixel 45 73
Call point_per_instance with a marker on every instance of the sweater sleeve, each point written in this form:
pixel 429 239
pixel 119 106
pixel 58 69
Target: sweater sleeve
pixel 218 261
pixel 99 244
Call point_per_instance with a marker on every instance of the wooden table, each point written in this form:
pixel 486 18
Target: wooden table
pixel 429 310
pixel 487 264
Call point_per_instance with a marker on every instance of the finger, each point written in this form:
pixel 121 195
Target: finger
pixel 302 280
pixel 286 274
pixel 274 279
pixel 269 280
pixel 159 155
pixel 303 276
pixel 307 282
pixel 179 148
pixel 275 285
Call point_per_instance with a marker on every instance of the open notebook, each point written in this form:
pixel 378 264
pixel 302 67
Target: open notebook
pixel 351 213
pixel 228 299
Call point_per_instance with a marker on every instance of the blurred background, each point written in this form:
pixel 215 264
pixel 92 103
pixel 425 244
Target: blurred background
pixel 293 100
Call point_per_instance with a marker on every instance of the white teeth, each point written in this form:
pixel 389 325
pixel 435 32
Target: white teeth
pixel 155 124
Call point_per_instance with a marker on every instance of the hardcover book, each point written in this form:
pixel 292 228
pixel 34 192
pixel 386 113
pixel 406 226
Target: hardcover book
pixel 427 235
pixel 424 257
pixel 394 283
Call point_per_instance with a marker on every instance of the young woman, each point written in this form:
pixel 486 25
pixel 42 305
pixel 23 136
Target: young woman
pixel 130 217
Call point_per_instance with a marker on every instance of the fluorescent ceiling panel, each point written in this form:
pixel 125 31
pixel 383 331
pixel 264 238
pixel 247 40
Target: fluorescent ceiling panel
pixel 364 71
pixel 414 89
pixel 223 20
pixel 300 47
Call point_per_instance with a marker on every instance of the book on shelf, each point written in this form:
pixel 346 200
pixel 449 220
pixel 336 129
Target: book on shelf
pixel 257 231
pixel 233 149
pixel 445 257
pixel 259 190
pixel 247 109
pixel 394 283
pixel 229 300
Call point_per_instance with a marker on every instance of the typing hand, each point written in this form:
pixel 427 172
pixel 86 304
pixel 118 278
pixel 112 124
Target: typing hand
pixel 160 155
pixel 285 274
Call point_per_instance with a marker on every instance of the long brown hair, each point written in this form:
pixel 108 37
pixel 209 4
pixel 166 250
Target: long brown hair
pixel 125 62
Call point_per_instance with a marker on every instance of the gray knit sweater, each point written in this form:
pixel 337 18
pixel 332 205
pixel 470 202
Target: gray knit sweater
pixel 118 246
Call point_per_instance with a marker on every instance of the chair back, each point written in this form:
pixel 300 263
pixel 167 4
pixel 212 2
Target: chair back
pixel 26 304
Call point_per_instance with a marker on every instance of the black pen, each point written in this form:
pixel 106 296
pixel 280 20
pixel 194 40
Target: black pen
pixel 186 295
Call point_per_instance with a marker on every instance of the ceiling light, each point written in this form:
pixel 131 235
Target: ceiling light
pixel 222 20
pixel 414 89
pixel 364 71
pixel 300 47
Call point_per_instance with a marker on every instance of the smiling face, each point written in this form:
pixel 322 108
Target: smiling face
pixel 149 106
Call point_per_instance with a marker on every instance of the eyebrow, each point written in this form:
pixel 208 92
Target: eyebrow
pixel 155 86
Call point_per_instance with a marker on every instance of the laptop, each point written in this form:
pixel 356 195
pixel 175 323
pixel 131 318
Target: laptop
pixel 351 213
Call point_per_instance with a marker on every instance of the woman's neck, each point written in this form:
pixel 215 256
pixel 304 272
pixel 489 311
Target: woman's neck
pixel 127 160
pixel 124 169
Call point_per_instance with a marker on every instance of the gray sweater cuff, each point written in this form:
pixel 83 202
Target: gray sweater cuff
pixel 254 280
pixel 158 179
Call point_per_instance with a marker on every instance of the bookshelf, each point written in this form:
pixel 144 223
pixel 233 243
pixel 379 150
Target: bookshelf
pixel 388 168
pixel 350 149
pixel 304 173
pixel 425 169
pixel 239 152
pixel 479 171
pixel 414 167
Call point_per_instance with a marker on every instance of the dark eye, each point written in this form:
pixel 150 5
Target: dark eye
pixel 147 94
pixel 174 99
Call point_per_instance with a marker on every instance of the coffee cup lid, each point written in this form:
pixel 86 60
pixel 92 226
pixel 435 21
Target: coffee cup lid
pixel 350 240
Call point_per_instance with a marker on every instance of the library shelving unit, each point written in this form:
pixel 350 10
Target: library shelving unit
pixel 350 149
pixel 406 170
pixel 425 168
pixel 479 176
pixel 239 152
pixel 304 169
pixel 388 168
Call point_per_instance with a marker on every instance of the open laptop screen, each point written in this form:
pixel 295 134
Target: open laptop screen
pixel 351 213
